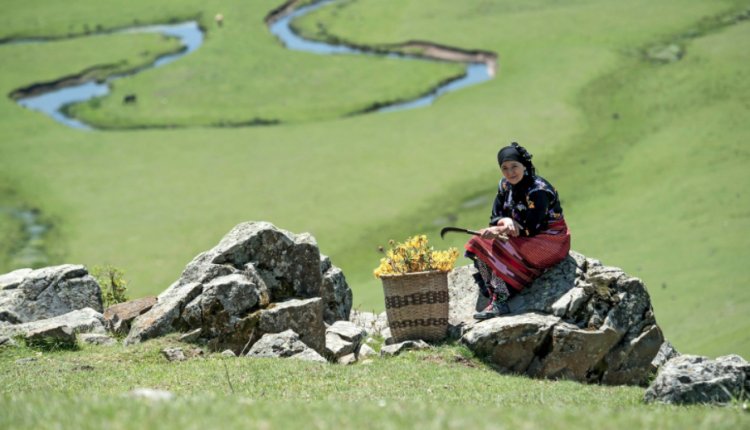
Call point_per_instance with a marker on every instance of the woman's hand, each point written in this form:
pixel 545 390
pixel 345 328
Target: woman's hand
pixel 491 233
pixel 494 233
pixel 508 226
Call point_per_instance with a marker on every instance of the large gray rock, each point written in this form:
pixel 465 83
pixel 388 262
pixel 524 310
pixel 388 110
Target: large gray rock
pixel 336 294
pixel 286 344
pixel 289 264
pixel 29 295
pixel 580 320
pixel 511 342
pixel 259 279
pixel 463 298
pixel 221 310
pixel 84 320
pixel 691 379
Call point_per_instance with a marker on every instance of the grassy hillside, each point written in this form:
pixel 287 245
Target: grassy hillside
pixel 656 191
pixel 441 388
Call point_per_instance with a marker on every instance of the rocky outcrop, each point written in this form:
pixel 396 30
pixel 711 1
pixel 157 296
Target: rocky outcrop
pixel 258 280
pixel 689 379
pixel 29 295
pixel 580 320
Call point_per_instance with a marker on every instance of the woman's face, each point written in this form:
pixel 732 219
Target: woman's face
pixel 513 171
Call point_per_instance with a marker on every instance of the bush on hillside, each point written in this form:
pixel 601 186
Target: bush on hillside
pixel 114 286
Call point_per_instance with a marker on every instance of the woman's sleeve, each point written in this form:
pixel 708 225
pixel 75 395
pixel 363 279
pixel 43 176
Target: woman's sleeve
pixel 497 206
pixel 536 215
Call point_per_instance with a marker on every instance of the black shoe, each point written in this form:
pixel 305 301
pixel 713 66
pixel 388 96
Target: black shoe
pixel 494 309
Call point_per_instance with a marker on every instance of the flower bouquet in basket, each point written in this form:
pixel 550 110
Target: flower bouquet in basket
pixel 415 285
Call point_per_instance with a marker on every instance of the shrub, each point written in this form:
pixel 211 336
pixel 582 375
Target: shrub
pixel 114 286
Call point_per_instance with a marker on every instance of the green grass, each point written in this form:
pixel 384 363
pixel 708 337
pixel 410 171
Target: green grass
pixel 656 191
pixel 440 388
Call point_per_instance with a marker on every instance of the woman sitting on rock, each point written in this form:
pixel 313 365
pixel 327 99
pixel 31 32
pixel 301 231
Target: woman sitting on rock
pixel 527 232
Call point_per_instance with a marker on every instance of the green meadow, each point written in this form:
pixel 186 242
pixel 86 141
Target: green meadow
pixel 442 388
pixel 650 159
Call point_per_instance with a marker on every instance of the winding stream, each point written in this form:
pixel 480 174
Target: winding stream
pixel 476 72
pixel 52 102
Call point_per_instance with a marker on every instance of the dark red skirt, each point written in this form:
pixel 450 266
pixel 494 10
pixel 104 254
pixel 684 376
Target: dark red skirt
pixel 523 259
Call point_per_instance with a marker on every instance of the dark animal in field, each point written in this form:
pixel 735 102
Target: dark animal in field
pixel 129 98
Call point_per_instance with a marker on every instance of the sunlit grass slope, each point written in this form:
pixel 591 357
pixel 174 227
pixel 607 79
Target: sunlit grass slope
pixel 656 191
pixel 441 388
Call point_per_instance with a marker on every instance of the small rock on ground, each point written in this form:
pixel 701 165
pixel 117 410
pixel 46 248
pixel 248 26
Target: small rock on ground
pixel 348 359
pixel 174 354
pixel 151 394
pixel 97 339
pixel 366 351
pixel 398 348
pixel 191 336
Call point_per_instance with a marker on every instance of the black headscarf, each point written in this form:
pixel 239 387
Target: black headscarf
pixel 516 152
pixel 509 153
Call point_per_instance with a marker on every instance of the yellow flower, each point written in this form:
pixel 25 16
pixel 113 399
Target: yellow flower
pixel 414 255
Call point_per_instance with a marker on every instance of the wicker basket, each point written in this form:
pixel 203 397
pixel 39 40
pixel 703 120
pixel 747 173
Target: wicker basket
pixel 417 305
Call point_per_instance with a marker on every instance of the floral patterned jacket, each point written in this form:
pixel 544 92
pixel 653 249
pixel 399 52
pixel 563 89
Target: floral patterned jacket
pixel 533 203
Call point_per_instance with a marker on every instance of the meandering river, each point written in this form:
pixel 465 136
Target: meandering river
pixel 51 103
